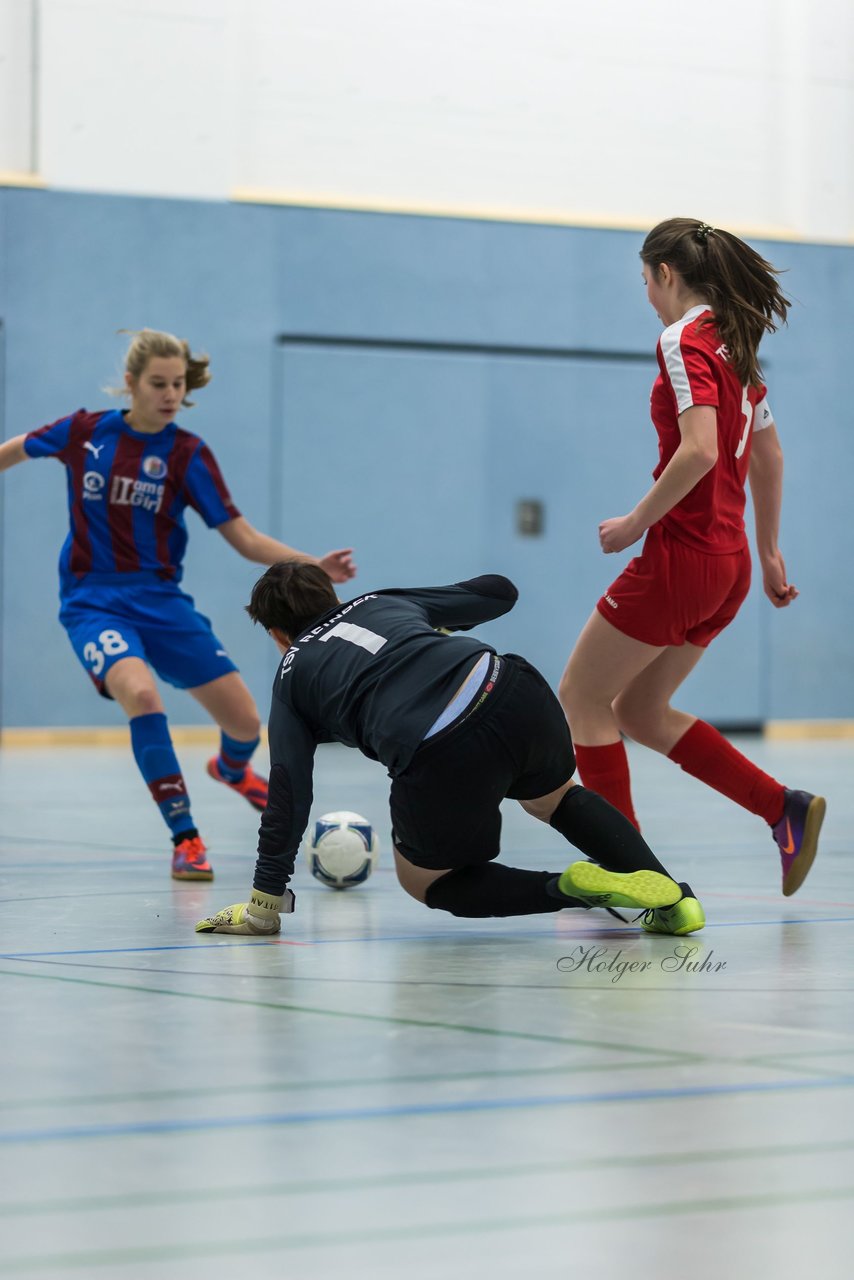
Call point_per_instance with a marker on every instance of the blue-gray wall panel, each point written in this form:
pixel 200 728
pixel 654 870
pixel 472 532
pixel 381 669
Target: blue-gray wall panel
pixel 385 450
pixel 810 650
pixel 455 280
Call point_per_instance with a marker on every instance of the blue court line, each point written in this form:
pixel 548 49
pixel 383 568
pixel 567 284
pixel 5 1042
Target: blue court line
pixel 752 924
pixel 219 943
pixel 613 929
pixel 448 936
pixel 127 951
pixel 210 1123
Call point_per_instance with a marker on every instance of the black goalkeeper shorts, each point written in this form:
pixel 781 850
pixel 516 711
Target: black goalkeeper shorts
pixel 516 743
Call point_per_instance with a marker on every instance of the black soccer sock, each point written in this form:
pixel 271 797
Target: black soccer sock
pixel 494 890
pixel 190 834
pixel 601 832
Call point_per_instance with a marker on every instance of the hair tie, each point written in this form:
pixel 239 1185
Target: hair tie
pixel 703 232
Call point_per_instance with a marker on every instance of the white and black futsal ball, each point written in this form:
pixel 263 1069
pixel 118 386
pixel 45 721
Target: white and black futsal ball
pixel 342 849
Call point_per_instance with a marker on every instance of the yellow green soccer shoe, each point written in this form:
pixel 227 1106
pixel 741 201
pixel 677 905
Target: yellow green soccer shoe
pixel 596 887
pixel 684 916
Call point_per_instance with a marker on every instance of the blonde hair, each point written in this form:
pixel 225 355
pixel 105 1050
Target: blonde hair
pixel 147 344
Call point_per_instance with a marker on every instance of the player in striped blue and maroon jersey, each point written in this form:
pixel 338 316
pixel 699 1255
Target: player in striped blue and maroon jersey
pixel 131 475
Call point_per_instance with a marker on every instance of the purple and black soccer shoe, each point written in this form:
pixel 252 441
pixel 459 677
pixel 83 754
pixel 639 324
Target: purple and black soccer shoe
pixel 796 835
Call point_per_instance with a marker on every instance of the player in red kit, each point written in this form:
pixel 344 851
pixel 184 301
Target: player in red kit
pixel 717 297
pixel 131 476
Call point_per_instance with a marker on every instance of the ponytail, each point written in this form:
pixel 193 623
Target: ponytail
pixel 740 286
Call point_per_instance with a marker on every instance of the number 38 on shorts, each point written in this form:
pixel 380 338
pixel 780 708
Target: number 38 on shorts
pixel 158 626
pixel 110 643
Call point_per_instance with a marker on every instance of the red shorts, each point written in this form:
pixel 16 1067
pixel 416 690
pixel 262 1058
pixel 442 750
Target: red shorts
pixel 672 594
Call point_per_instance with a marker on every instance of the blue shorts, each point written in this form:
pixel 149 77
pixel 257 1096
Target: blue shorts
pixel 154 621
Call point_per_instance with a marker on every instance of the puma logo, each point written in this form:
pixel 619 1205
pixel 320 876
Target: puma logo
pixel 93 448
pixel 171 786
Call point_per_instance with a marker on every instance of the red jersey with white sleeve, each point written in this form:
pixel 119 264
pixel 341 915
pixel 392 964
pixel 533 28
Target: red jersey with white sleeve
pixel 695 370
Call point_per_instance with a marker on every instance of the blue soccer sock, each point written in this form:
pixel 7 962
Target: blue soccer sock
pixel 234 756
pixel 158 764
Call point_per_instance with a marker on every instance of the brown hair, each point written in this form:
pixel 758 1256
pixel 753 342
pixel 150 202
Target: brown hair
pixel 149 343
pixel 290 596
pixel 740 286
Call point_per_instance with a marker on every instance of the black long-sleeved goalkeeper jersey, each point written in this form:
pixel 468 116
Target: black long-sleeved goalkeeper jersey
pixel 374 674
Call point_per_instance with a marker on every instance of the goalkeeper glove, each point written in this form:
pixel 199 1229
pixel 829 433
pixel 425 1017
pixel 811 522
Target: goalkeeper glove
pixel 260 916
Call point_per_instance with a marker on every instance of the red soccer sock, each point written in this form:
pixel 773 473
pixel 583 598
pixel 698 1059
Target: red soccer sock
pixel 605 770
pixel 706 754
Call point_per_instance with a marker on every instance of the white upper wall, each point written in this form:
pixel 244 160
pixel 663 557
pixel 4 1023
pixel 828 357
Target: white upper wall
pixel 738 111
pixel 16 86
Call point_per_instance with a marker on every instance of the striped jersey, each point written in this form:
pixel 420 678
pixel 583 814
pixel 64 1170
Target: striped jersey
pixel 127 492
pixel 695 370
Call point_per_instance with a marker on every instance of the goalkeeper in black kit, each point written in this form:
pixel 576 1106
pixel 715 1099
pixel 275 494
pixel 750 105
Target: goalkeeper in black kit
pixel 459 728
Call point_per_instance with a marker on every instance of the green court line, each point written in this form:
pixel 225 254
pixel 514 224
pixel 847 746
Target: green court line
pixel 664 1058
pixel 386 1019
pixel 488 1227
pixel 813 1053
pixel 826 1073
pixel 362 1182
pixel 349 1082
pixel 781 1061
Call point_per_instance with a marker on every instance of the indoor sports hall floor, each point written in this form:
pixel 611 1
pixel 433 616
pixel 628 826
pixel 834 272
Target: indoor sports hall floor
pixel 388 1092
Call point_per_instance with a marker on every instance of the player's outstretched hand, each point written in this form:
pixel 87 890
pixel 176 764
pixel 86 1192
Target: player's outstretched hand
pixel 260 917
pixel 338 564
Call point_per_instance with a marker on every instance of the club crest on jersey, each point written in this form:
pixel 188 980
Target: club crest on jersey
pixel 93 483
pixel 126 491
pixel 154 468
